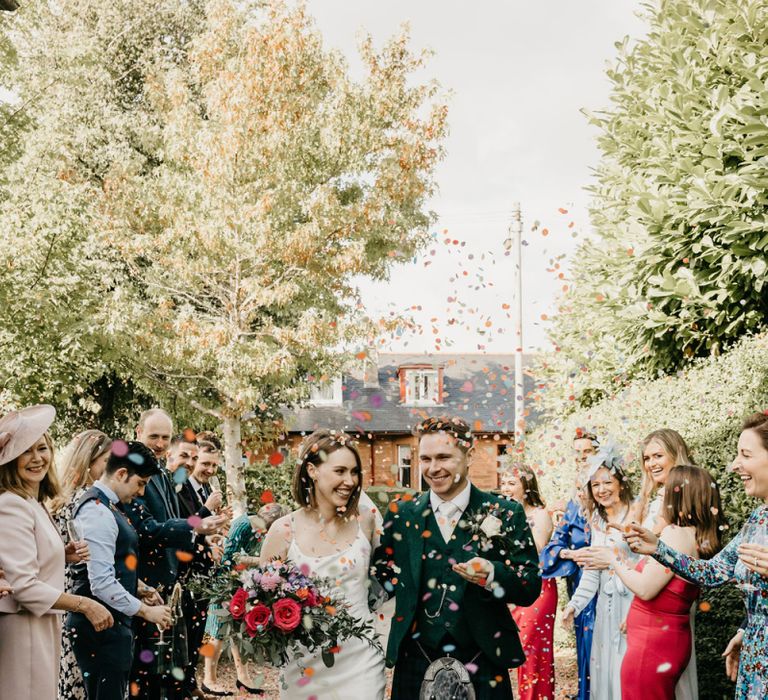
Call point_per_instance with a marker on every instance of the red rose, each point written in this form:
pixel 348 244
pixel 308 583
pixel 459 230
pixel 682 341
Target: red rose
pixel 257 619
pixel 237 604
pixel 287 614
pixel 312 600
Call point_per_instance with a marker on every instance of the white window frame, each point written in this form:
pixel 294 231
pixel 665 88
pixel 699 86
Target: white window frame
pixel 411 377
pixel 336 399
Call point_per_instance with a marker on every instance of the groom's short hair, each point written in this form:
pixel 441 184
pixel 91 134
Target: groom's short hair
pixel 457 427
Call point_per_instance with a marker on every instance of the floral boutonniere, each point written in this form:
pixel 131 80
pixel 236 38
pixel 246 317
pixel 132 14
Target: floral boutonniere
pixel 484 525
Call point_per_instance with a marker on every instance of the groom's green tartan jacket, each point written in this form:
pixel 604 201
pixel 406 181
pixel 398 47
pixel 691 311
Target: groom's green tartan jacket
pixel 411 541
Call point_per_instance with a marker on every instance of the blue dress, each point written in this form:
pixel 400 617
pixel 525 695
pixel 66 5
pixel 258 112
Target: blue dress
pixel 573 532
pixel 241 539
pixel 752 682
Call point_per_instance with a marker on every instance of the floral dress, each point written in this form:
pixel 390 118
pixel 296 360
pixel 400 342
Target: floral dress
pixel 241 539
pixel 71 686
pixel 752 682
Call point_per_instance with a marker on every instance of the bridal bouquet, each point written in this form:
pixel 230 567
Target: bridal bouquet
pixel 272 610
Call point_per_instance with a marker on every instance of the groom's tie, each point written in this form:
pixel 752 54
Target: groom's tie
pixel 448 516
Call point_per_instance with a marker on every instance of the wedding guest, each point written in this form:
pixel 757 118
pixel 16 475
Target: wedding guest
pixel 110 574
pixel 33 559
pixel 536 676
pixel 164 536
pixel 241 549
pixel 454 558
pixel 326 538
pixel 82 463
pixel 557 558
pixel 661 450
pixel 659 638
pixel 610 496
pixel 744 560
pixel 197 498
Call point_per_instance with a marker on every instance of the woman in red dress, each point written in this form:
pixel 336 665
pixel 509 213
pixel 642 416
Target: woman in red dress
pixel 659 639
pixel 536 677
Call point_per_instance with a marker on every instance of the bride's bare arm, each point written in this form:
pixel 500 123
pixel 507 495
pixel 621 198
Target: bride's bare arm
pixel 277 540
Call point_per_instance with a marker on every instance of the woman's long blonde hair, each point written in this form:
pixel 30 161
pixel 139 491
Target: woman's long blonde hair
pixel 84 449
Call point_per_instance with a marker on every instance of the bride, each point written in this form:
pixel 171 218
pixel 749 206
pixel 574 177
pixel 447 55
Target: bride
pixel 327 537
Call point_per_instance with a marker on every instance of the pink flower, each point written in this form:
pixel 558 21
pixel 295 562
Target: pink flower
pixel 270 581
pixel 237 604
pixel 287 614
pixel 257 619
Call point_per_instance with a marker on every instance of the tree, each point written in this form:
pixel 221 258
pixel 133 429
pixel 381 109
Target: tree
pixel 75 105
pixel 676 268
pixel 236 194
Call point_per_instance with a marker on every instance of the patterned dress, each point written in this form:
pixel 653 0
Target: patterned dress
pixel 71 686
pixel 752 682
pixel 241 539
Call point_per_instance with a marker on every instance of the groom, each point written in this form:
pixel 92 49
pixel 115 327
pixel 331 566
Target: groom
pixel 455 557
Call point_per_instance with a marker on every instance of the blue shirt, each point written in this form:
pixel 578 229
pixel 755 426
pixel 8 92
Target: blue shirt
pixel 573 532
pixel 100 532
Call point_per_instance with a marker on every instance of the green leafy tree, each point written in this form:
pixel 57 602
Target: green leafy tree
pixel 676 268
pixel 231 182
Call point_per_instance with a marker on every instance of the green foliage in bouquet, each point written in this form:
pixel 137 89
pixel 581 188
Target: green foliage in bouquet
pixel 270 611
pixel 680 207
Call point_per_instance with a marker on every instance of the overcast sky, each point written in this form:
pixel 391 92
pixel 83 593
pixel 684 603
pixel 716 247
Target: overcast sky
pixel 519 72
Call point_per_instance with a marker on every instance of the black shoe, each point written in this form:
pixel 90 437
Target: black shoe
pixel 217 693
pixel 246 689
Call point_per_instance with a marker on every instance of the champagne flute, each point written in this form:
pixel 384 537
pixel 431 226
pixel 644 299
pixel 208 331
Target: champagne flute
pixel 74 531
pixel 214 483
pixel 752 533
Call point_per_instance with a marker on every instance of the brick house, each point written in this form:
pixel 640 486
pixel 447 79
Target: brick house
pixel 383 397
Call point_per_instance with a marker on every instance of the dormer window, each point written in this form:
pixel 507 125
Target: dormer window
pixel 421 386
pixel 326 393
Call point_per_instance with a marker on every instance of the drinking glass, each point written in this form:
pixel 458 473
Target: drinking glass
pixel 214 483
pixel 752 533
pixel 74 531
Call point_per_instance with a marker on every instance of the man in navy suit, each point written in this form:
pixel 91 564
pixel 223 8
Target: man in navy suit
pixel 163 534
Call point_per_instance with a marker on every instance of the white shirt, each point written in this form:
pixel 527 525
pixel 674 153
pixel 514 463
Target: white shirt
pixel 198 489
pixel 460 500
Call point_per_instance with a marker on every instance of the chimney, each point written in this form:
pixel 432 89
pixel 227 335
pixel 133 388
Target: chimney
pixel 371 368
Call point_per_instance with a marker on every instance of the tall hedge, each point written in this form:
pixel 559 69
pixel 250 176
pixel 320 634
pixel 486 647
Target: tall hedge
pixel 678 266
pixel 706 404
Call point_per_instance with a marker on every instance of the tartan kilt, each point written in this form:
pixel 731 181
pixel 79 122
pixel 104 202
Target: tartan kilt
pixel 412 665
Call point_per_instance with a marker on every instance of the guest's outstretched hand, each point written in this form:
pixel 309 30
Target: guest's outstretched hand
pixel 210 525
pixel 5 589
pixel 568 615
pixel 640 539
pixel 732 655
pixel 75 552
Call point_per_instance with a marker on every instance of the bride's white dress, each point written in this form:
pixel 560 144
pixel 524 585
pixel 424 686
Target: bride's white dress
pixel 358 669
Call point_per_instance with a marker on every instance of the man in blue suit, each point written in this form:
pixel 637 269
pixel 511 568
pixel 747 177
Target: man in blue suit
pixel 163 534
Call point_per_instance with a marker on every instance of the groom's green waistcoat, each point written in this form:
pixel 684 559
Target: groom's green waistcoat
pixel 436 571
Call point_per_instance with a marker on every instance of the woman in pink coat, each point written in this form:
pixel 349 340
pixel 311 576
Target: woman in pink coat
pixel 32 556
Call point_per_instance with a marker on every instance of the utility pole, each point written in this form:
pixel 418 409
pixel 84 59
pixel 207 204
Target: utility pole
pixel 516 237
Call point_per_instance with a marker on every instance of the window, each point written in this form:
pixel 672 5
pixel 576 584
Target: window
pixel 422 387
pixel 404 465
pixel 327 393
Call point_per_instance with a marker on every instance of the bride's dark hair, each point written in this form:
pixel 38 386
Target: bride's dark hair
pixel 315 450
